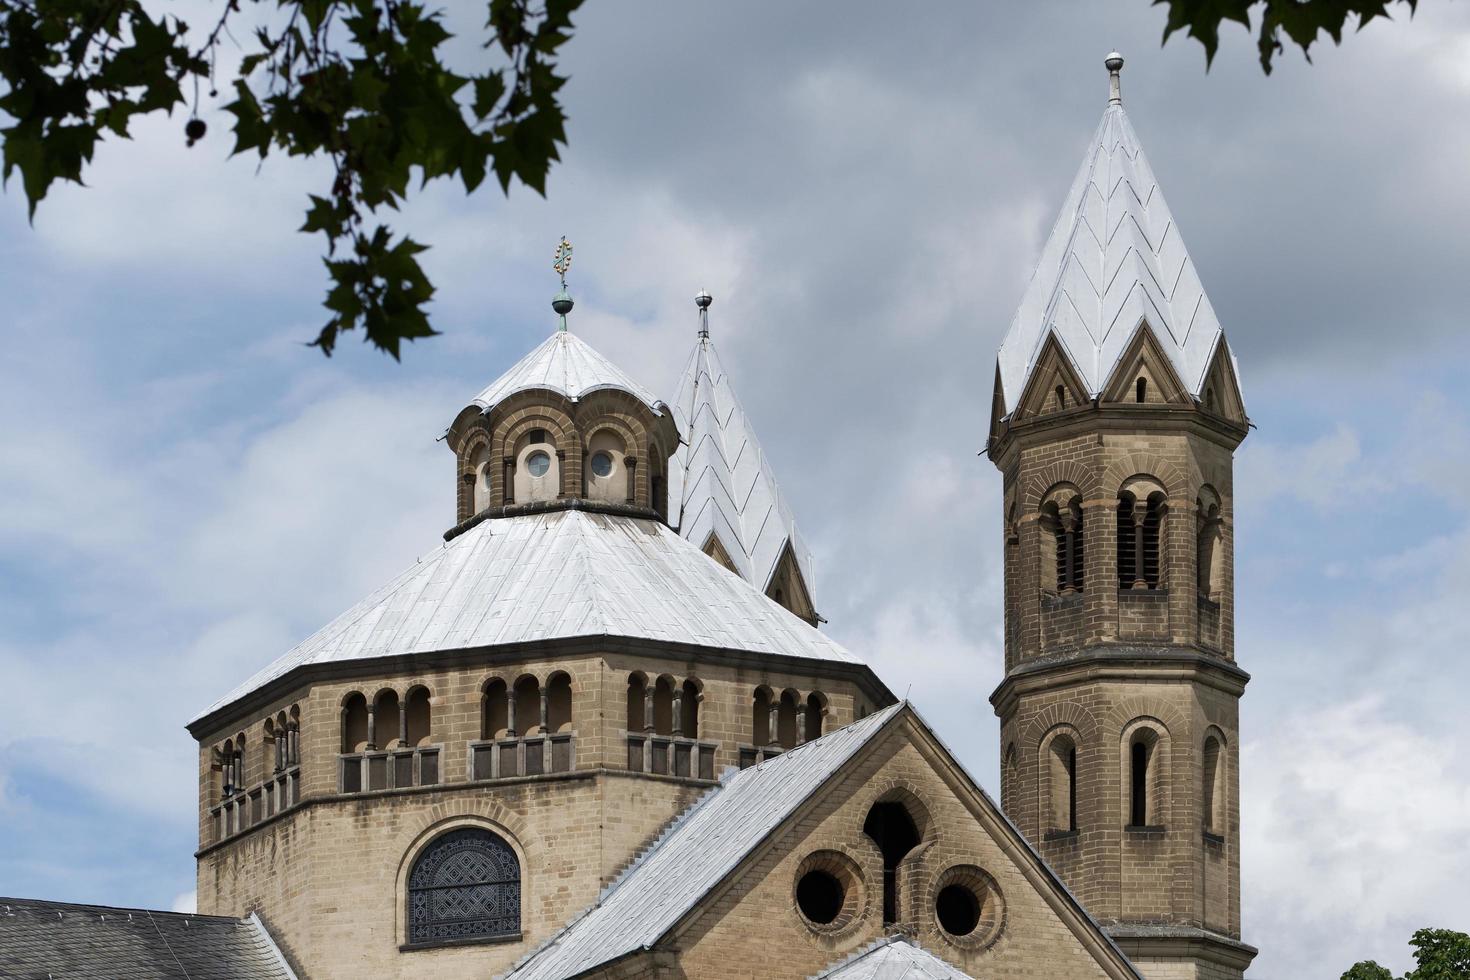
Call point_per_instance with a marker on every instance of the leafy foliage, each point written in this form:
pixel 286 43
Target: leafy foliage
pixel 1440 954
pixel 363 83
pixel 1298 21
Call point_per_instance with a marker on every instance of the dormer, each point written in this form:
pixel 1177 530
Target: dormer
pixel 564 427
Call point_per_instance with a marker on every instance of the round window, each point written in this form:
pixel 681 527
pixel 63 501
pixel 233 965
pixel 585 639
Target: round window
pixel 958 910
pixel 968 907
pixel 538 463
pixel 602 464
pixel 820 896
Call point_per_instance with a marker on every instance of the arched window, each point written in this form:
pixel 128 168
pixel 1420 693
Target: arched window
pixel 1209 560
pixel 494 710
pixel 1212 780
pixel 816 710
pixel 1061 393
pixel 527 717
pixel 786 720
pixel 559 702
pixel 663 705
pixel 1141 508
pixel 892 829
pixel 480 477
pixel 760 718
pixel 607 476
pixel 1061 520
pixel 416 715
pixel 1061 782
pixel 228 784
pixel 386 724
pixel 1140 390
pixel 1144 779
pixel 272 744
pixel 293 737
pixel 689 710
pixel 637 698
pixel 537 468
pixel 465 885
pixel 354 724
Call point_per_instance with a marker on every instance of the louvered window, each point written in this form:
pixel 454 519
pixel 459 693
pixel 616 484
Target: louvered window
pixel 1139 524
pixel 466 885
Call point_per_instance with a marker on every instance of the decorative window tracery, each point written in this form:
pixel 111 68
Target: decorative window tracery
pixel 466 885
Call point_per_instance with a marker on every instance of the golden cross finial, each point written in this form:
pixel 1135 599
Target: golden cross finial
pixel 563 260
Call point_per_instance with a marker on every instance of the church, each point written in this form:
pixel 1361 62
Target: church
pixel 598 731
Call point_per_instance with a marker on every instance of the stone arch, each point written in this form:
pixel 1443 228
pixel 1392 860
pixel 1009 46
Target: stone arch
pixel 383 721
pixel 1062 556
pixel 787 709
pixel 477 813
pixel 607 439
pixel 1142 533
pixel 664 687
pixel 1214 769
pixel 527 700
pixel 816 713
pixel 418 715
pixel 559 701
pixel 1209 543
pixel 1064 471
pixel 762 732
pixel 354 722
pixel 1072 714
pixel 1146 767
pixel 494 707
pixel 1057 761
pixel 636 701
pixel 1123 468
pixel 897 823
pixel 689 704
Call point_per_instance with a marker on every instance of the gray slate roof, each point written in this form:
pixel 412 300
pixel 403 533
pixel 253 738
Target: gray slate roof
pixel 567 364
pixel 893 958
pixel 722 480
pixel 695 854
pixel 1113 258
pixel 61 941
pixel 558 575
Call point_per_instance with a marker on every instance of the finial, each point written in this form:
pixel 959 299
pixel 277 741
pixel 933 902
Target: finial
pixel 562 262
pixel 1114 65
pixel 703 299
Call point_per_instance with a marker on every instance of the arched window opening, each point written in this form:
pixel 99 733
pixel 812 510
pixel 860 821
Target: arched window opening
pixel 1141 391
pixel 689 711
pixel 537 468
pixel 1061 518
pixel 1061 397
pixel 385 726
pixel 1008 778
pixel 606 475
pixel 465 885
pixel 527 717
pixel 1209 559
pixel 637 695
pixel 416 714
pixel 890 827
pixel 536 437
pixel 494 711
pixel 354 724
pixel 227 779
pixel 1061 762
pixel 663 706
pixel 1144 779
pixel 480 476
pixel 293 737
pixel 272 745
pixel 760 717
pixel 559 703
pixel 1140 525
pixel 1213 786
pixel 816 710
pixel 786 720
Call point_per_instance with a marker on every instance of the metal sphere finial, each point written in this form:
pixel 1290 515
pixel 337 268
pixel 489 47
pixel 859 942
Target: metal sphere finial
pixel 1114 64
pixel 703 299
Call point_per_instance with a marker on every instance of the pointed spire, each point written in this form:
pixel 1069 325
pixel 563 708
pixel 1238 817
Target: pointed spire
pixel 1114 260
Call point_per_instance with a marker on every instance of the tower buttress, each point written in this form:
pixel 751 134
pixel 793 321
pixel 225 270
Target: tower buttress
pixel 1115 419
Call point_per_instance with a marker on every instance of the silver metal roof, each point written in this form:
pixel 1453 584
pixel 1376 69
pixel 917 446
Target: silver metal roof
pixel 567 364
pixel 550 576
pixel 893 958
pixel 695 854
pixel 1114 258
pixel 722 479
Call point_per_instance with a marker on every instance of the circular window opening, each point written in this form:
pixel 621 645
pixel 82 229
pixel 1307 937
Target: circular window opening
pixel 958 910
pixel 820 896
pixel 602 464
pixel 538 463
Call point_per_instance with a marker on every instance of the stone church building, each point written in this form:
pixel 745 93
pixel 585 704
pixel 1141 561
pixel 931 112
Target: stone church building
pixel 599 732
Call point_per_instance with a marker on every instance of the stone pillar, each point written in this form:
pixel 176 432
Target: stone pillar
pixel 648 707
pixel 631 462
pixel 403 722
pixel 510 480
pixel 677 721
pixel 545 696
pixel 800 724
pixel 1139 516
pixel 372 742
pixel 773 722
pixel 510 712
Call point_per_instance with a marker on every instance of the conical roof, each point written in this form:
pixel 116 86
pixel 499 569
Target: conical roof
pixel 566 364
pixel 1114 259
pixel 723 482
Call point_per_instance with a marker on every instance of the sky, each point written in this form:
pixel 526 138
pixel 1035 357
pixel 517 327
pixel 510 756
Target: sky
pixel 188 490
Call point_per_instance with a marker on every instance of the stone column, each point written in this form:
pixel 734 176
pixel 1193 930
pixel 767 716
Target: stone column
pixel 372 742
pixel 545 696
pixel 510 712
pixel 773 722
pixel 631 462
pixel 677 721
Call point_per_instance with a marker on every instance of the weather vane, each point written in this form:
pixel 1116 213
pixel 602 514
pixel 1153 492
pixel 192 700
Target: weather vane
pixel 563 260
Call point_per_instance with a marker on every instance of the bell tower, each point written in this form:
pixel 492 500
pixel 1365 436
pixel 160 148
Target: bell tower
pixel 1115 417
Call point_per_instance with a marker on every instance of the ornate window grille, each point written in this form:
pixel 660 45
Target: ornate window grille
pixel 465 886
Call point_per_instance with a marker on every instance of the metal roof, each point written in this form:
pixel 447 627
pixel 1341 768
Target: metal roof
pixel 695 854
pixel 83 942
pixel 893 958
pixel 566 364
pixel 722 479
pixel 557 575
pixel 1113 259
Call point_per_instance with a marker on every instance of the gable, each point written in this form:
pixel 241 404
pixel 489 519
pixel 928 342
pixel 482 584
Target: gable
pixel 1221 392
pixel 788 588
pixel 1031 928
pixel 716 550
pixel 1144 359
pixel 1053 386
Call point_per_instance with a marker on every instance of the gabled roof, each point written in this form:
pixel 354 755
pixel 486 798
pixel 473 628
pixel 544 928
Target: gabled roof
pixel 695 854
pixel 84 942
pixel 722 480
pixel 1113 259
pixel 558 575
pixel 566 364
pixel 893 958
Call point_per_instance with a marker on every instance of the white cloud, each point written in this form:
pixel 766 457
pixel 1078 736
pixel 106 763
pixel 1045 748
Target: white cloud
pixel 185 902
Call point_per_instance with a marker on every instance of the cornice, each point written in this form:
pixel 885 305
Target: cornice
pixel 550 506
pixel 1118 662
pixel 1120 417
pixel 1182 942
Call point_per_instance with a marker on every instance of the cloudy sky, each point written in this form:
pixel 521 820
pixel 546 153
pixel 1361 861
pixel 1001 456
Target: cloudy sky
pixel 187 490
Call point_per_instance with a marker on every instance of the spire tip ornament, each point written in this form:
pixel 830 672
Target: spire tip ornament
pixel 703 299
pixel 562 303
pixel 1114 64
